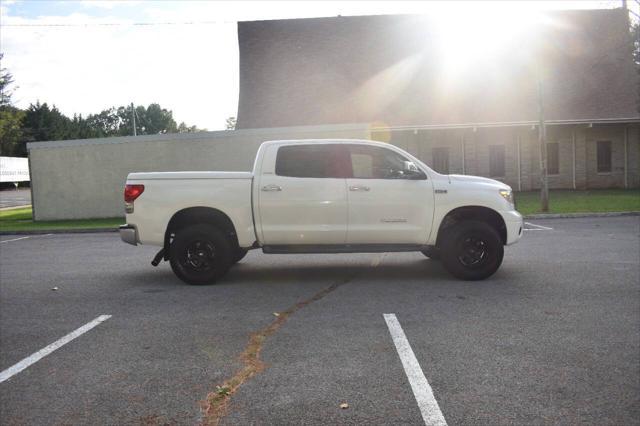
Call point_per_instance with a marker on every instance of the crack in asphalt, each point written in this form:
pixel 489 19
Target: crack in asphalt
pixel 215 405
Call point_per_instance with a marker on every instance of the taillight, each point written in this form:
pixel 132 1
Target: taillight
pixel 131 192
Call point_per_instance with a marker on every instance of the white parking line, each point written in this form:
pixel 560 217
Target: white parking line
pixel 539 227
pixel 32 359
pixel 427 403
pixel 15 239
pixel 23 238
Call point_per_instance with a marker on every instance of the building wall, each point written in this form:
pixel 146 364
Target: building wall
pixel 615 178
pixel 633 157
pixel 85 178
pixel 521 147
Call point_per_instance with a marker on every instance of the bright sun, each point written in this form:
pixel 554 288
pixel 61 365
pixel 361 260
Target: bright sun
pixel 468 34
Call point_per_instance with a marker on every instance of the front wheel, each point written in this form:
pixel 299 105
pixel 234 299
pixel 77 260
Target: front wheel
pixel 472 250
pixel 431 252
pixel 200 254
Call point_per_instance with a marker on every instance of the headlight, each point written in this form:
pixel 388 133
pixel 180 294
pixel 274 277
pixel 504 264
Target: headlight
pixel 507 194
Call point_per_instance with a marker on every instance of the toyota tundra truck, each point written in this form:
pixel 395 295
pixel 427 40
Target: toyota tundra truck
pixel 321 196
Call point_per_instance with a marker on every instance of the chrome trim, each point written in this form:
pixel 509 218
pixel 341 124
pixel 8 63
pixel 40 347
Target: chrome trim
pixel 128 234
pixel 359 188
pixel 271 188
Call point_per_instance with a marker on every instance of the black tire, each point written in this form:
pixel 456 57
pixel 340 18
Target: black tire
pixel 200 254
pixel 432 253
pixel 239 254
pixel 472 250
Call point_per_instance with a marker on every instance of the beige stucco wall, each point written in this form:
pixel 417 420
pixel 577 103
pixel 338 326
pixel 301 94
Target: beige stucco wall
pixel 85 178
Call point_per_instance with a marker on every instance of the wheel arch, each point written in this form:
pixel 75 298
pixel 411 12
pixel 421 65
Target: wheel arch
pixel 480 213
pixel 195 215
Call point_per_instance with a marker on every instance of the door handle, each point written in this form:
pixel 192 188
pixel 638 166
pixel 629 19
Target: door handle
pixel 271 188
pixel 359 188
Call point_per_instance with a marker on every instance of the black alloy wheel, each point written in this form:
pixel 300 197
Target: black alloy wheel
pixel 200 254
pixel 472 250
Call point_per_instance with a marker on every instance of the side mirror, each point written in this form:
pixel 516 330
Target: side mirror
pixel 411 171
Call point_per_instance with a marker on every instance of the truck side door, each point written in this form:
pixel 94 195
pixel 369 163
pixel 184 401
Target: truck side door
pixel 302 196
pixel 386 204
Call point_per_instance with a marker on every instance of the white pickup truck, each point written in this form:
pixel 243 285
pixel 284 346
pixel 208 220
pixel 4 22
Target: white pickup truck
pixel 321 196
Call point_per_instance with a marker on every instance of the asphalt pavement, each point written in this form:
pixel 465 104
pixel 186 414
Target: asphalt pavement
pixel 14 198
pixel 551 338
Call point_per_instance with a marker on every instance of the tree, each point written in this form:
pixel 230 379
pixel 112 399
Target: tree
pixel 119 121
pixel 104 124
pixel 10 116
pixel 44 123
pixel 10 130
pixel 6 80
pixel 183 128
pixel 230 123
pixel 149 121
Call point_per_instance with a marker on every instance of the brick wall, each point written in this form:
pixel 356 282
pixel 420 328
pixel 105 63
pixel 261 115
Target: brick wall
pixel 522 142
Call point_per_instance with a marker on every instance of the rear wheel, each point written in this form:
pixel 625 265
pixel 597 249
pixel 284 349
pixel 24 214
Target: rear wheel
pixel 472 250
pixel 239 254
pixel 200 254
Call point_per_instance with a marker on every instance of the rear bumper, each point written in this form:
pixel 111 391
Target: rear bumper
pixel 515 225
pixel 129 234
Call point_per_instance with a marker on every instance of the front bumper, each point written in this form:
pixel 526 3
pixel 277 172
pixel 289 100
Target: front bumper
pixel 129 234
pixel 515 226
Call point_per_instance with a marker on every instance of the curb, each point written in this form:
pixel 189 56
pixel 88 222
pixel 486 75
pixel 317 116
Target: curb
pixel 579 215
pixel 60 231
pixel 4 209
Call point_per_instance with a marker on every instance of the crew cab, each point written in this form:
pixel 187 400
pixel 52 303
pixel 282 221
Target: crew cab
pixel 321 196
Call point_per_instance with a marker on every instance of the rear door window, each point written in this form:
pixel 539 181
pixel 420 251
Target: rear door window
pixel 312 161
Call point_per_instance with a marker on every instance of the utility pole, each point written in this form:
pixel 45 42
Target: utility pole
pixel 133 115
pixel 544 185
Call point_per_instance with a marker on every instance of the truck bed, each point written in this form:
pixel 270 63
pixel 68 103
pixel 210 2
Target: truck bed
pixel 168 193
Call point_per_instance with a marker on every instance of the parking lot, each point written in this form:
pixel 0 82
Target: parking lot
pixel 551 338
pixel 15 198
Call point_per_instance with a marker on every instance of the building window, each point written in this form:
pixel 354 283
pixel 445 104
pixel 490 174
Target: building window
pixel 496 160
pixel 441 160
pixel 604 156
pixel 553 158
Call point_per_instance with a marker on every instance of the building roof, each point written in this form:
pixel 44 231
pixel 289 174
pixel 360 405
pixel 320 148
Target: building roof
pixel 388 70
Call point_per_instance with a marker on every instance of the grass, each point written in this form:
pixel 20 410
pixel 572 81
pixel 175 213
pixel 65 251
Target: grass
pixel 22 220
pixel 590 201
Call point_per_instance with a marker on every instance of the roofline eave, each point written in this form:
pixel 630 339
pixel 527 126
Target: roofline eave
pixel 628 120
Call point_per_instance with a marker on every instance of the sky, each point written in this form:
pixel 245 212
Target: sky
pixel 86 56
